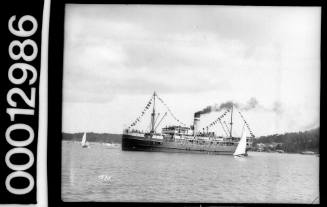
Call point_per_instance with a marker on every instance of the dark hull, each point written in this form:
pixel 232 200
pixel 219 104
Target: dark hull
pixel 136 143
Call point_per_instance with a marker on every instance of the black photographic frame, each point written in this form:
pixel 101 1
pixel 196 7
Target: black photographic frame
pixel 55 81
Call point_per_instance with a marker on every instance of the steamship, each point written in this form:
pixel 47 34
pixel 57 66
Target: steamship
pixel 177 138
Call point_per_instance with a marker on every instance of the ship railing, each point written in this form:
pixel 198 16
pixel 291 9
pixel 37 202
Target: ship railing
pixel 133 131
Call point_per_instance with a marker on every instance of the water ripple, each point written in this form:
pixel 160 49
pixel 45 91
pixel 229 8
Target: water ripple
pixel 177 177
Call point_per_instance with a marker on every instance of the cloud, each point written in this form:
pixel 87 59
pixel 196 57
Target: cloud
pixel 208 54
pixel 132 64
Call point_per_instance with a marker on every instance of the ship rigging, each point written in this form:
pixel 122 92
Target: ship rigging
pixel 155 121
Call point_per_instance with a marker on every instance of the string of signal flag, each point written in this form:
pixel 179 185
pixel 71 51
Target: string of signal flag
pixel 148 105
pixel 138 119
pixel 217 120
pixel 246 124
pixel 170 112
pixel 223 115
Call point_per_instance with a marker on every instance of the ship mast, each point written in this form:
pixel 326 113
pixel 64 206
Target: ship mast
pixel 153 113
pixel 231 122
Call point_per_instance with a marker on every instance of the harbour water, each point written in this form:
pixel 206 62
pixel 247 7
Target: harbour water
pixel 180 177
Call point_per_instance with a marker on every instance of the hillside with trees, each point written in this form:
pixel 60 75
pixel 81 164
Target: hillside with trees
pixel 293 142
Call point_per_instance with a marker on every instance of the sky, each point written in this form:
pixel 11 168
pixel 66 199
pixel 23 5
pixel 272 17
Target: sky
pixel 116 56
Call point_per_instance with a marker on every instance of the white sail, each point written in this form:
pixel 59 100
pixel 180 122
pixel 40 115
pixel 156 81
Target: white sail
pixel 83 143
pixel 241 147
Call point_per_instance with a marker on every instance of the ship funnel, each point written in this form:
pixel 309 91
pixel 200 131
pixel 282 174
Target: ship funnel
pixel 196 123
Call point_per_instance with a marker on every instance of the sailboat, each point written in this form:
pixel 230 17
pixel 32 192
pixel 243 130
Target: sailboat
pixel 84 143
pixel 241 147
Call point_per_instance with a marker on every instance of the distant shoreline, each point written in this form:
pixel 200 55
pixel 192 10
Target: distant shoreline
pixel 295 142
pixel 93 137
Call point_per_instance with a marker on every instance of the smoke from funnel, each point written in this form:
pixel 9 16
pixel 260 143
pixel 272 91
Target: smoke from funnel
pixel 226 105
pixel 277 108
pixel 216 107
pixel 251 104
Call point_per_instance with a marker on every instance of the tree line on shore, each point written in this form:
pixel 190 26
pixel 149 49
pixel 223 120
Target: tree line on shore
pixel 93 137
pixel 293 142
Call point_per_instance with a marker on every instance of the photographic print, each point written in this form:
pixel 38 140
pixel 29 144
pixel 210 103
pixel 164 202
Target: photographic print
pixel 191 104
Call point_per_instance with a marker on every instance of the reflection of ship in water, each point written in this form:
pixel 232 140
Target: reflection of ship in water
pixel 178 138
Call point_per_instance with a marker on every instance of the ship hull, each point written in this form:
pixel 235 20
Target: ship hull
pixel 139 143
